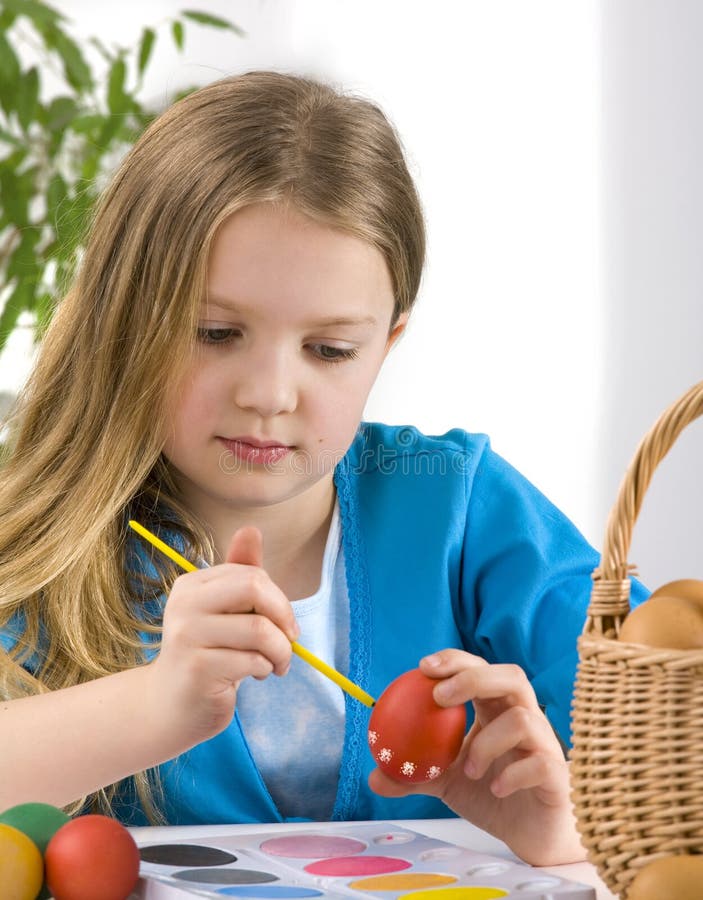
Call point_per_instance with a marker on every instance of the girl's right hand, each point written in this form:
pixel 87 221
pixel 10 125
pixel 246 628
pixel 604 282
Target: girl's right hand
pixel 220 624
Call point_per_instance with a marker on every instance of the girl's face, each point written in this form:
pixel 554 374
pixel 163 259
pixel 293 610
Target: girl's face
pixel 292 334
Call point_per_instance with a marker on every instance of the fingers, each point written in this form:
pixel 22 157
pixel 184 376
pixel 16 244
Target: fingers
pixel 466 677
pixel 381 784
pixel 245 632
pixel 233 588
pixel 510 732
pixel 233 606
pixel 516 729
pixel 222 669
pixel 246 547
pixel 538 770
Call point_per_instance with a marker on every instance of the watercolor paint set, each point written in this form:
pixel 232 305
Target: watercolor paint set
pixel 377 859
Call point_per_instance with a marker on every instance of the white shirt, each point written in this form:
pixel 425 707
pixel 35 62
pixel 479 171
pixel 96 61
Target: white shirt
pixel 294 725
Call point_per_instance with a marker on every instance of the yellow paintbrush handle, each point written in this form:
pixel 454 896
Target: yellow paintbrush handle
pixel 164 548
pixel 346 685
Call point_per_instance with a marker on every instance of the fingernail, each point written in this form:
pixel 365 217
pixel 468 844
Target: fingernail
pixel 433 660
pixel 470 769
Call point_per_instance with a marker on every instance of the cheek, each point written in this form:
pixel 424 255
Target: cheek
pixel 190 407
pixel 356 393
pixel 340 408
pixel 347 393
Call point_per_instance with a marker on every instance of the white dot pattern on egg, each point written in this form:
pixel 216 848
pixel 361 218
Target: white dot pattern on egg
pixel 410 737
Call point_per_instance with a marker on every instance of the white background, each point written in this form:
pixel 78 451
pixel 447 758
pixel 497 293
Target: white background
pixel 557 147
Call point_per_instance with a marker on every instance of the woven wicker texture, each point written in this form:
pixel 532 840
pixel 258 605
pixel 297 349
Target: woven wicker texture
pixel 637 717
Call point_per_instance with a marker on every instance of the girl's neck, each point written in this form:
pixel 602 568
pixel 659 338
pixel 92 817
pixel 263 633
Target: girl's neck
pixel 294 536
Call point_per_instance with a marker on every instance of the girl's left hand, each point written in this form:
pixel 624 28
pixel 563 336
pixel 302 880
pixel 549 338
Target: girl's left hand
pixel 510 778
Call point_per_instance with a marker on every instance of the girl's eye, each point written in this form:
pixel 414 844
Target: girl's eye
pixel 329 354
pixel 217 335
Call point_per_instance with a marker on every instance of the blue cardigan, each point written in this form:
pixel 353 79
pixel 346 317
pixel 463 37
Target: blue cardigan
pixel 446 545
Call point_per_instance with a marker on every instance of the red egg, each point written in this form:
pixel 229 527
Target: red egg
pixel 90 857
pixel 411 737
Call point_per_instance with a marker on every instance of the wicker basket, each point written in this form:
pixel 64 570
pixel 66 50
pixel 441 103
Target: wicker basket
pixel 637 758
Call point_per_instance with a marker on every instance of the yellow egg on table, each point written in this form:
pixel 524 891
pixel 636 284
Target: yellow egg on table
pixel 21 865
pixel 39 821
pixel 665 621
pixel 670 878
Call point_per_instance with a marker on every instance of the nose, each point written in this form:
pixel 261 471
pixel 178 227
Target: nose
pixel 266 384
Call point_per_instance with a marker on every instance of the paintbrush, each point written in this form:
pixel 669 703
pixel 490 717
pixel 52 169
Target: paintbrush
pixel 341 680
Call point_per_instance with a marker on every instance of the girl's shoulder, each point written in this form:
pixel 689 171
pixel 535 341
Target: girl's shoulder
pixel 460 466
pixel 378 445
pixel 403 468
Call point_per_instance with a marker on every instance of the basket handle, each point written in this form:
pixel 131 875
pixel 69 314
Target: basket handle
pixel 610 595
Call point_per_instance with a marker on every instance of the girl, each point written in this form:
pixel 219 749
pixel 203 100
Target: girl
pixel 254 260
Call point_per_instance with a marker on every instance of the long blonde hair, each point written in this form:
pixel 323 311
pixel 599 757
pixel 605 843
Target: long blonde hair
pixel 85 441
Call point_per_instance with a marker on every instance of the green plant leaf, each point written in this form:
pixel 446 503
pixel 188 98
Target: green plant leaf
pixel 91 164
pixel 10 73
pixel 60 112
pixel 27 97
pixel 104 51
pixel 117 101
pixel 14 161
pixel 97 136
pixel 88 123
pixel 72 224
pixel 39 13
pixel 24 262
pixel 8 138
pixel 78 73
pixel 54 142
pixel 16 193
pixel 7 19
pixel 215 21
pixel 55 197
pixel 7 97
pixel 20 299
pixel 143 118
pixel 146 45
pixel 76 70
pixel 110 127
pixel 177 32
pixel 44 306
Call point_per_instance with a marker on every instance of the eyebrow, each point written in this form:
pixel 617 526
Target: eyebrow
pixel 324 323
pixel 345 320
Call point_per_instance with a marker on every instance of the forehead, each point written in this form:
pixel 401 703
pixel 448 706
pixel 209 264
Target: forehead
pixel 266 256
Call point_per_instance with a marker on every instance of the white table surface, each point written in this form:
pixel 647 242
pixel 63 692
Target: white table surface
pixel 456 831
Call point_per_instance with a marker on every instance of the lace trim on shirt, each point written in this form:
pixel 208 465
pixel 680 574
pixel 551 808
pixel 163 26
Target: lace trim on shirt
pixel 356 714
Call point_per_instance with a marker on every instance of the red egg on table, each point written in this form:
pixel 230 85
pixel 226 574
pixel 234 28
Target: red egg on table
pixel 411 737
pixel 89 857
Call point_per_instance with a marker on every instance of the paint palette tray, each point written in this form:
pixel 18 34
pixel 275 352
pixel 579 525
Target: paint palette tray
pixel 327 862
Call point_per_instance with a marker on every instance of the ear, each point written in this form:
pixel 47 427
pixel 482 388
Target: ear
pixel 396 331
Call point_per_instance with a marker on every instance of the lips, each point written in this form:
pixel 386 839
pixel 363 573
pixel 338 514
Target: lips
pixel 254 451
pixel 254 442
